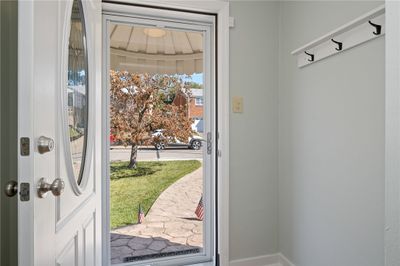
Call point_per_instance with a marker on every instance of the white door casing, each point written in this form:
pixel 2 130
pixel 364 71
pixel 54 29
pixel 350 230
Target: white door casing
pixel 221 9
pixel 64 230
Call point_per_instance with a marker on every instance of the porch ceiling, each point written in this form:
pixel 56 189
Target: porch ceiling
pixel 154 50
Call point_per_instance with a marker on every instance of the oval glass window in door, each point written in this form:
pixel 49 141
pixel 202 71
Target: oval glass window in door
pixel 77 90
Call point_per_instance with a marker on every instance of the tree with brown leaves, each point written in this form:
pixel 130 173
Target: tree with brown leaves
pixel 141 104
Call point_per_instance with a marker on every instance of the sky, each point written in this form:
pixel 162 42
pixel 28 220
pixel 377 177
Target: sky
pixel 198 78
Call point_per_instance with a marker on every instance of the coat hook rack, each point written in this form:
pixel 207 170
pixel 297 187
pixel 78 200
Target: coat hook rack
pixel 311 57
pixel 378 28
pixel 367 27
pixel 340 45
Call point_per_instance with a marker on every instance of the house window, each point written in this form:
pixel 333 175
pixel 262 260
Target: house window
pixel 198 101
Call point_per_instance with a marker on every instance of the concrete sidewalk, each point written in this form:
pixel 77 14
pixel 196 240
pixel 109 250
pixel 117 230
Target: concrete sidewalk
pixel 169 226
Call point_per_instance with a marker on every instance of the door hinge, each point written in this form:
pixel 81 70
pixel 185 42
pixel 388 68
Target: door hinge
pixel 217 263
pixel 209 143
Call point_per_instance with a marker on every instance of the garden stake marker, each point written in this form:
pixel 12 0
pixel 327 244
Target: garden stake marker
pixel 140 214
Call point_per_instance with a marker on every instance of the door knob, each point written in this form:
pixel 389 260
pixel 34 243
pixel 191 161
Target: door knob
pixel 57 187
pixel 11 188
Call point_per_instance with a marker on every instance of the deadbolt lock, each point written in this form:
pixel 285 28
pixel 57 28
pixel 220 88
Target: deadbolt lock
pixel 45 144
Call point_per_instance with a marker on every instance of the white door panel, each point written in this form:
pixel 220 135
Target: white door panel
pixel 63 230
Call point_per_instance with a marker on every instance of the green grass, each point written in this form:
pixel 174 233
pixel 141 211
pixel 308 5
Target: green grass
pixel 73 133
pixel 143 185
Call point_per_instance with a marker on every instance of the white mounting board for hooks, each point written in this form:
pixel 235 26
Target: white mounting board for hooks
pixel 350 35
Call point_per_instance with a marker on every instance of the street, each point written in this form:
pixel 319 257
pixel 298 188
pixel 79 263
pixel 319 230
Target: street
pixel 120 153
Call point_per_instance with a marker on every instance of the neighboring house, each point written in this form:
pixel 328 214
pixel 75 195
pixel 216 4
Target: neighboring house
pixel 76 106
pixel 195 107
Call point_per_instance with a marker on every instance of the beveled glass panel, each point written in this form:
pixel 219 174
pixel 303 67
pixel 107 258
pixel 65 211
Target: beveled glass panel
pixel 77 91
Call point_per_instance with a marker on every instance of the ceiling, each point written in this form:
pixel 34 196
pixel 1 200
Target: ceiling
pixel 154 50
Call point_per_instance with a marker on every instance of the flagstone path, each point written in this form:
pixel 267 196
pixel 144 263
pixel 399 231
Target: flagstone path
pixel 169 226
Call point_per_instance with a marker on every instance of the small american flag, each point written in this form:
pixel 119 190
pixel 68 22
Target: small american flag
pixel 140 215
pixel 200 209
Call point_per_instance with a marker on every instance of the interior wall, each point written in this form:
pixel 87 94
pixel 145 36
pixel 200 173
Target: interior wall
pixel 253 133
pixel 331 142
pixel 8 118
pixel 331 201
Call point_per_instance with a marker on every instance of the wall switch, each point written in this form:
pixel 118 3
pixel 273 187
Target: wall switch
pixel 237 104
pixel 231 22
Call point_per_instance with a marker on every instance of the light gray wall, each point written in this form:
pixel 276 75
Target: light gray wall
pixel 331 143
pixel 253 133
pixel 330 138
pixel 8 118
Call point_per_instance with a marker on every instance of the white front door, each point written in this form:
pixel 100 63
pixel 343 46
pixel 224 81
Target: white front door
pixel 59 131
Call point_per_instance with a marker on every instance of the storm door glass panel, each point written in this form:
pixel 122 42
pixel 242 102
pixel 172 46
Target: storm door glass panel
pixel 158 118
pixel 77 91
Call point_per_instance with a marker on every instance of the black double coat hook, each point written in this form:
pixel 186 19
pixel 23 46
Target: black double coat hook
pixel 340 45
pixel 378 28
pixel 311 57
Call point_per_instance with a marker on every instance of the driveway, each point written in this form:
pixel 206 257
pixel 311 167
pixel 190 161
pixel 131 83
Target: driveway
pixel 120 153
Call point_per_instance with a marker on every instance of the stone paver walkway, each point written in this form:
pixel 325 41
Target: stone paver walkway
pixel 169 226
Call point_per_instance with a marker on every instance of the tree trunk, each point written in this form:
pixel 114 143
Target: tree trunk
pixel 132 161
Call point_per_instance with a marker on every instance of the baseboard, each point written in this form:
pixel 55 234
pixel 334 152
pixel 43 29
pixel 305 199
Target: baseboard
pixel 284 261
pixel 277 259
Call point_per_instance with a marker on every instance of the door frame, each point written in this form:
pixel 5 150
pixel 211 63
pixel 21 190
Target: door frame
pixel 221 10
pixel 392 134
pixel 8 129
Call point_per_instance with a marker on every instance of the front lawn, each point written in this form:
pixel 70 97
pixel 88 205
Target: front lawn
pixel 143 185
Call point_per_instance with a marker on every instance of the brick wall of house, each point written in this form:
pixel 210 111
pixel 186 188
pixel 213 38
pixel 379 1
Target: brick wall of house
pixel 179 100
pixel 195 110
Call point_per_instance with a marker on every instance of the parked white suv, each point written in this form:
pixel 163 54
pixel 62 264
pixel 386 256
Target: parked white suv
pixel 194 142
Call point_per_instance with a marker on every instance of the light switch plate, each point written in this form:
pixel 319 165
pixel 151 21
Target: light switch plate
pixel 237 104
pixel 231 22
